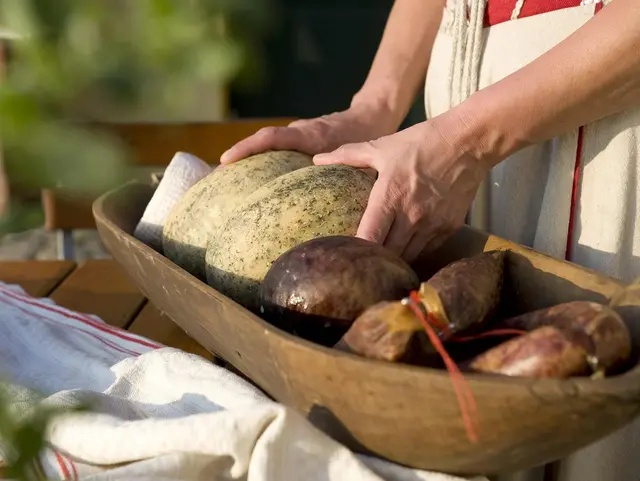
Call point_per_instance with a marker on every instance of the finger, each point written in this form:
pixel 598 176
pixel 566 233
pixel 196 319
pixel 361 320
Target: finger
pixel 298 123
pixel 425 241
pixel 417 245
pixel 355 155
pixel 438 240
pixel 400 233
pixel 378 216
pixel 268 138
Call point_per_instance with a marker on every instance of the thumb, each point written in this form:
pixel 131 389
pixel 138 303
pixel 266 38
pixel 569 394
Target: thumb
pixel 267 138
pixel 355 155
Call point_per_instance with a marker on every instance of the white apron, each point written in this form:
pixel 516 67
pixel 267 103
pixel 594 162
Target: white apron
pixel 575 196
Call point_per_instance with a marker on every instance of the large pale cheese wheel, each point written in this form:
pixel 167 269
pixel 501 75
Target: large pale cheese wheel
pixel 206 206
pixel 312 202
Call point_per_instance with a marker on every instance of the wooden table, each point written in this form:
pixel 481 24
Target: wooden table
pixel 102 288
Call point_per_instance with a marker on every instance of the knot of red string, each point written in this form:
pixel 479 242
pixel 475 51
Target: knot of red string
pixel 465 398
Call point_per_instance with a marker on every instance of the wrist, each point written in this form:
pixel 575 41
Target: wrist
pixel 451 148
pixel 485 128
pixel 380 108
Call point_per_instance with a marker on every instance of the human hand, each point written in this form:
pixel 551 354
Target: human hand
pixel 426 183
pixel 313 136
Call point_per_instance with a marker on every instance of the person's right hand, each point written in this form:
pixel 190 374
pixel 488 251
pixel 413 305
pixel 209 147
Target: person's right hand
pixel 314 136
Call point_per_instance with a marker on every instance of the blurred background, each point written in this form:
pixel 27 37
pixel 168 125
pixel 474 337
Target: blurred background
pixel 315 59
pixel 72 72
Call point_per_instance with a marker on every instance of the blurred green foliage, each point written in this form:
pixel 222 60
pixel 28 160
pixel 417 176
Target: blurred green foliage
pixel 121 52
pixel 23 433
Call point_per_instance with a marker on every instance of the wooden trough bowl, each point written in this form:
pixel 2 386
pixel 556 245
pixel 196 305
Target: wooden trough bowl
pixel 402 413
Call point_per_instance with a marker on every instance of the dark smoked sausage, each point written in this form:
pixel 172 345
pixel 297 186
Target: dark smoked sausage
pixel 570 339
pixel 463 294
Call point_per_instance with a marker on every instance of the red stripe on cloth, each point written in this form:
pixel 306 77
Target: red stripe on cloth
pixel 63 467
pixel 82 318
pixel 62 313
pixel 107 343
pixel 499 11
pixel 599 6
pixel 574 196
pixel 73 467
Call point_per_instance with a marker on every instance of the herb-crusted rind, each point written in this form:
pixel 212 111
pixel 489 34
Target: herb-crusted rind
pixel 311 202
pixel 206 206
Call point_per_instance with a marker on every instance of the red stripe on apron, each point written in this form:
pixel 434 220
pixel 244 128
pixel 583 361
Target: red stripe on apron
pixel 575 191
pixel 499 11
pixel 574 195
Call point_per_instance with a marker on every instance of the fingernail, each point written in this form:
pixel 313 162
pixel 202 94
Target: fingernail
pixel 225 156
pixel 319 158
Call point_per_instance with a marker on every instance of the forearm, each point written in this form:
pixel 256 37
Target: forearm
pixel 401 62
pixel 592 74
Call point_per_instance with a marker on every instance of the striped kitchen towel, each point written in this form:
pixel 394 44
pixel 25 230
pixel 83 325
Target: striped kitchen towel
pixel 158 413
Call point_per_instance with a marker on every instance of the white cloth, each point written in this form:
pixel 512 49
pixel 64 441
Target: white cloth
pixel 183 171
pixel 158 413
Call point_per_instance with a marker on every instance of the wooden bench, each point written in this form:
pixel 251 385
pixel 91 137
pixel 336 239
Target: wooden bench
pixel 152 147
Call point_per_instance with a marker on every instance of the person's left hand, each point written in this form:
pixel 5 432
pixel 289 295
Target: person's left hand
pixel 426 184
